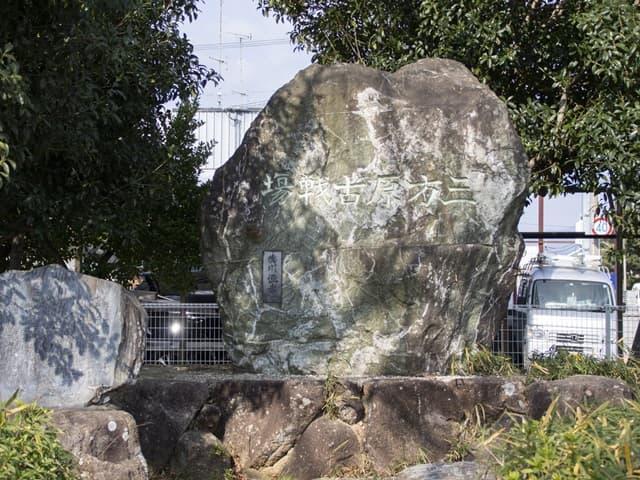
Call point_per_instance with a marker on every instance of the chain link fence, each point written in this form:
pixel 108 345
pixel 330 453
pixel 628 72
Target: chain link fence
pixel 532 331
pixel 184 334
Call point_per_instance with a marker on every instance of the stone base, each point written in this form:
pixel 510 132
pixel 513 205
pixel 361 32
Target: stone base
pixel 103 441
pixel 309 427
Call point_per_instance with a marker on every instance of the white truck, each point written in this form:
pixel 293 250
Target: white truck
pixel 562 303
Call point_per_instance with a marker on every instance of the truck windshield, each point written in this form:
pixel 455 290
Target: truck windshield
pixel 570 294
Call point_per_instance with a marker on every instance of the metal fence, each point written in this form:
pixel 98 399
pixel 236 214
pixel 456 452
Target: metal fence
pixel 184 333
pixel 192 333
pixel 532 331
pixel 224 129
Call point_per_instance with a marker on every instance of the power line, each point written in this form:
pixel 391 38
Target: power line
pixel 248 43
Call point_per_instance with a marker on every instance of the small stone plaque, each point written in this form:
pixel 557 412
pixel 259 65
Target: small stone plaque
pixel 272 276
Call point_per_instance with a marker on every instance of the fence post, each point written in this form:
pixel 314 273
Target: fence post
pixel 607 330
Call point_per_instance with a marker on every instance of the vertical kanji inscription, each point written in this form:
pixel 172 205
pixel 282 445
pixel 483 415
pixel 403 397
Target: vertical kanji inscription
pixel 272 276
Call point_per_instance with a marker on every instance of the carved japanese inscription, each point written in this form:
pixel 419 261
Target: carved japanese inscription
pixel 272 276
pixel 383 189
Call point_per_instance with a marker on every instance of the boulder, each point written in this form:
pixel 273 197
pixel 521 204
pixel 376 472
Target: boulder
pixel 66 337
pixel 104 442
pixel 306 427
pixel 409 420
pixel 327 446
pixel 571 392
pixel 447 471
pixel 164 409
pixel 495 395
pixel 200 456
pixel 368 220
pixel 264 418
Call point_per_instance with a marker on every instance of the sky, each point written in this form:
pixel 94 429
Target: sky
pixel 251 72
pixel 266 61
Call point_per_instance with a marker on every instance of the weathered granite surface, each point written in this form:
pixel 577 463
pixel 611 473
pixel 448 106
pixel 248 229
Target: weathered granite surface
pixel 103 441
pixel 66 337
pixel 164 410
pixel 326 446
pixel 368 220
pixel 447 471
pixel 200 456
pixel 574 391
pixel 297 425
pixel 308 427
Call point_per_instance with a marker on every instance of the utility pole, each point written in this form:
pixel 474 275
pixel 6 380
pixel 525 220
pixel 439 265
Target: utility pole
pixel 220 55
pixel 541 223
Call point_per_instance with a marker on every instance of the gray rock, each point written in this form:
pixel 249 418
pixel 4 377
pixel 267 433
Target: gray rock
pixel 447 471
pixel 200 456
pixel 494 394
pixel 264 418
pixel 347 396
pixel 409 420
pixel 368 218
pixel 269 424
pixel 326 446
pixel 164 410
pixel 66 337
pixel 585 390
pixel 104 442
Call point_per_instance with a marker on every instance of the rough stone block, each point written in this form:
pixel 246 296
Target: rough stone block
pixel 164 409
pixel 264 418
pixel 574 391
pixel 66 337
pixel 104 441
pixel 325 447
pixel 200 456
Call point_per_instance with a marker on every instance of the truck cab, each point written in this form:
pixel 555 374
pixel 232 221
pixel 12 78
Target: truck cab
pixel 562 303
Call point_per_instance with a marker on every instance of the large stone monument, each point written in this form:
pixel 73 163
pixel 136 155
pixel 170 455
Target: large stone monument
pixel 65 338
pixel 368 222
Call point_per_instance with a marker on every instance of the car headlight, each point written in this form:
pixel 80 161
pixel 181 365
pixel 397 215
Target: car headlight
pixel 175 328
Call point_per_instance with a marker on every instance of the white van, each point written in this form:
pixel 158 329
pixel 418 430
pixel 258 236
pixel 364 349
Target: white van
pixel 562 303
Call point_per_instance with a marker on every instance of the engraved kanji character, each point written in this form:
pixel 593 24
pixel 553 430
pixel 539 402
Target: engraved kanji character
pixel 278 188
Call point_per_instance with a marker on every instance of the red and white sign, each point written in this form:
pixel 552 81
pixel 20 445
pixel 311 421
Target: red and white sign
pixel 602 226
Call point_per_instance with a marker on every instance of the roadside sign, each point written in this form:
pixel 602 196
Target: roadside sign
pixel 602 226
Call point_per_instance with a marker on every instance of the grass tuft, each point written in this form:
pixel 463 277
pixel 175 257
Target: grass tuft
pixel 482 361
pixel 565 364
pixel 29 448
pixel 601 443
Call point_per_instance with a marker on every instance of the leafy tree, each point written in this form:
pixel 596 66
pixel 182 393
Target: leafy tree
pixel 104 169
pixel 632 258
pixel 11 94
pixel 569 71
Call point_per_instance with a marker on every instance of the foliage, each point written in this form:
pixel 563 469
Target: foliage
pixel 29 448
pixel 482 361
pixel 632 249
pixel 472 432
pixel 565 364
pixel 330 402
pixel 11 94
pixel 103 169
pixel 569 71
pixel 603 443
pixel 632 254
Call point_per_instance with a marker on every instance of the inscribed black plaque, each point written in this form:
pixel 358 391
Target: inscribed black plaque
pixel 272 276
